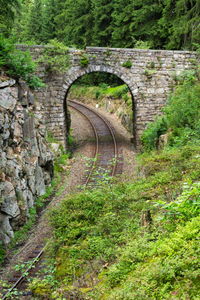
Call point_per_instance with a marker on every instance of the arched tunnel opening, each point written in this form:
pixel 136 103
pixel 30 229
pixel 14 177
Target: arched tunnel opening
pixel 104 91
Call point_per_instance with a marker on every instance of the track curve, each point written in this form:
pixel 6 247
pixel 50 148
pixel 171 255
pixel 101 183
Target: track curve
pixel 106 153
pixel 105 161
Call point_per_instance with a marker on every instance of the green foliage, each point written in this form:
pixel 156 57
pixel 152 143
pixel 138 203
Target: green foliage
pixel 187 205
pixel 98 92
pixel 149 73
pixel 153 132
pixel 142 45
pixel 181 115
pixel 35 24
pixel 98 234
pixel 180 24
pixel 9 10
pixel 140 24
pixel 127 64
pixel 55 57
pixel 99 78
pixel 84 60
pixel 2 253
pixel 18 64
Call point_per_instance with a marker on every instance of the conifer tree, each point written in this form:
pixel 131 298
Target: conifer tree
pixel 122 19
pixel 75 23
pixel 102 14
pixel 8 11
pixel 181 22
pixel 36 22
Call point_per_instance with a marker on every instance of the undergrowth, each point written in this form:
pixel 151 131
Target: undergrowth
pixel 181 116
pixel 100 92
pixel 132 241
pixel 136 240
pixel 18 64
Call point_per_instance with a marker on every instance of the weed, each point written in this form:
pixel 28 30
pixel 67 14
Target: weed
pixel 127 64
pixel 55 57
pixel 149 73
pixel 18 64
pixel 84 60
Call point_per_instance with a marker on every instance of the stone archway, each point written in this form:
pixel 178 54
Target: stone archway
pixel 70 79
pixel 150 78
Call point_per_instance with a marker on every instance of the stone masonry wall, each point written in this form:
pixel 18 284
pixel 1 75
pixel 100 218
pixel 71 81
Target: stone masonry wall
pixel 26 164
pixel 150 79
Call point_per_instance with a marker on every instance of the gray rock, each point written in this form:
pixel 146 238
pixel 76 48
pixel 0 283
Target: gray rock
pixel 9 203
pixel 39 182
pixel 28 128
pixel 30 199
pixel 6 231
pixel 8 98
pixel 26 163
pixel 7 83
pixel 31 98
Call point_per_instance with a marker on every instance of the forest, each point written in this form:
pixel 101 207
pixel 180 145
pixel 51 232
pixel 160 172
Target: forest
pixel 157 24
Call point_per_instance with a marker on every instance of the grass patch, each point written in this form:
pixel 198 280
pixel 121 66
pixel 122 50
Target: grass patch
pixel 99 92
pixel 126 241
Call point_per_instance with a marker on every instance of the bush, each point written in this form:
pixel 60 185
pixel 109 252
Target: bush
pixel 55 57
pixel 181 115
pixel 151 134
pixel 84 60
pixel 18 64
pixel 127 64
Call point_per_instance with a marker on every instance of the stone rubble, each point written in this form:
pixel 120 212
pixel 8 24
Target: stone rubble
pixel 26 164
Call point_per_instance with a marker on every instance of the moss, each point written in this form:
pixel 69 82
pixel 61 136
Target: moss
pixel 40 288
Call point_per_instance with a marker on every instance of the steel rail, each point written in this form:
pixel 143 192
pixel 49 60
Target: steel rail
pixel 22 277
pixel 109 127
pixel 39 255
pixel 97 144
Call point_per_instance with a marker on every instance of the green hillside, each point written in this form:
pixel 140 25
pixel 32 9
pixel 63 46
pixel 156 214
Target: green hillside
pixel 136 240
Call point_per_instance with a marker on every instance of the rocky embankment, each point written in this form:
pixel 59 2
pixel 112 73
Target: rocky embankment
pixel 26 164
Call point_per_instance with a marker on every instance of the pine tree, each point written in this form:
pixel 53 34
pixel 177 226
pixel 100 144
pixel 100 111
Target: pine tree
pixel 8 12
pixel 102 14
pixel 122 18
pixel 20 27
pixel 36 22
pixel 181 21
pixel 74 23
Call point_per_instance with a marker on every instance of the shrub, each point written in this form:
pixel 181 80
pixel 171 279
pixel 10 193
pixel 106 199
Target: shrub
pixel 151 134
pixel 181 115
pixel 55 57
pixel 84 61
pixel 127 64
pixel 18 64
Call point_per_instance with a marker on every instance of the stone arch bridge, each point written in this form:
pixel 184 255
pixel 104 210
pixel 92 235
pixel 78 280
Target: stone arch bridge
pixel 149 74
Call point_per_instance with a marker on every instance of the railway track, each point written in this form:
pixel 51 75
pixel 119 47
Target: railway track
pixel 105 161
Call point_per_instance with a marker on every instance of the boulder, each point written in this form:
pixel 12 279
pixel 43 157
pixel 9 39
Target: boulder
pixel 8 98
pixel 9 203
pixel 6 231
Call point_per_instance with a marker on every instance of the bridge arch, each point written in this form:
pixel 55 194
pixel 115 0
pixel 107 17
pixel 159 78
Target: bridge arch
pixel 74 74
pixel 150 78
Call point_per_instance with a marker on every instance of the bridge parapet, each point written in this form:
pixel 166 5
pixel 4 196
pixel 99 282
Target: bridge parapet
pixel 149 74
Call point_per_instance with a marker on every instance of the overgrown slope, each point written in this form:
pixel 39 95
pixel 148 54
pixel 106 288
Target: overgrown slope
pixel 136 240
